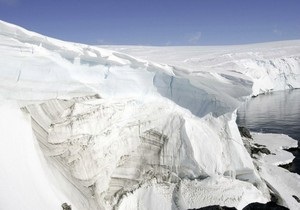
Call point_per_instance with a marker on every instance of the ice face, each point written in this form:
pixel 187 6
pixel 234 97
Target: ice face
pixel 109 124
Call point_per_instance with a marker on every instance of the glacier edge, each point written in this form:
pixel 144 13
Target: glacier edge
pixel 145 128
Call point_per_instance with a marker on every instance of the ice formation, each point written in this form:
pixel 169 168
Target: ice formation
pixel 284 184
pixel 117 131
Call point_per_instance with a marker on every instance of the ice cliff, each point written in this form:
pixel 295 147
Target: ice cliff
pixel 117 131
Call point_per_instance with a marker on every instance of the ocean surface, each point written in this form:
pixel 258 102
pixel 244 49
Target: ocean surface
pixel 277 112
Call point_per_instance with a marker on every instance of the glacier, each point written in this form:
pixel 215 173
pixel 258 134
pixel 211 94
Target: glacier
pixel 131 127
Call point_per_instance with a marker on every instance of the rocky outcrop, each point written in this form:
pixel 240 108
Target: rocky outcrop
pixel 244 132
pixel 65 206
pixel 296 198
pixel 265 206
pixel 216 207
pixel 251 206
pixel 259 149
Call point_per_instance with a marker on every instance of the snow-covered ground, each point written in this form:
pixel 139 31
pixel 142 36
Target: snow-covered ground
pixel 137 128
pixel 270 66
pixel 282 182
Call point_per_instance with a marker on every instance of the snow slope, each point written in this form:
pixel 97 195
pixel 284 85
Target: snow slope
pixel 113 125
pixel 26 179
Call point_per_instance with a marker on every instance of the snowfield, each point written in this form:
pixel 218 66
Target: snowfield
pixel 127 127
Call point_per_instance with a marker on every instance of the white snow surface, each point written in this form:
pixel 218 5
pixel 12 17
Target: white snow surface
pixel 193 194
pixel 26 179
pixel 276 143
pixel 270 66
pixel 281 181
pixel 160 126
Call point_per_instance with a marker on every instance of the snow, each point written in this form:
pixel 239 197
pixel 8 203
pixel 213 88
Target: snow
pixel 281 181
pixel 269 66
pixel 128 128
pixel 26 182
pixel 98 143
pixel 190 194
pixel 276 143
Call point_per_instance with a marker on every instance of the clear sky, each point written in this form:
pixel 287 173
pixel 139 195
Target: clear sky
pixel 158 22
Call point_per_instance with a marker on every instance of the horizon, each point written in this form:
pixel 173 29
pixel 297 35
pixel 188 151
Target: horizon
pixel 168 23
pixel 137 45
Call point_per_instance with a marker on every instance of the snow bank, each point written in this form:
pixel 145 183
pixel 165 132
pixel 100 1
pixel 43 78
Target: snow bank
pixel 108 122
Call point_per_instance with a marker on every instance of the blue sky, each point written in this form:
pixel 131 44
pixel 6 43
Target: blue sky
pixel 158 22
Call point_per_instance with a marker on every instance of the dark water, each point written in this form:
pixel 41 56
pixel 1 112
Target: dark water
pixel 277 112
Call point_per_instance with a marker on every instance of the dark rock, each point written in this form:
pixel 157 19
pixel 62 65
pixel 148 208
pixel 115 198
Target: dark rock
pixel 244 132
pixel 286 166
pixel 65 206
pixel 267 206
pixel 216 207
pixel 247 144
pixel 256 150
pixel 295 165
pixel 274 197
pixel 259 145
pixel 296 198
pixel 293 149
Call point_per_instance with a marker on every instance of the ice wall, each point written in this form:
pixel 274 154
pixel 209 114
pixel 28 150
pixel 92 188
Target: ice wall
pixel 111 124
pixel 111 147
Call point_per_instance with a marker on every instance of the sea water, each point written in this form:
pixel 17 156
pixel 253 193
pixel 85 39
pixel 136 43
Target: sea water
pixel 277 112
